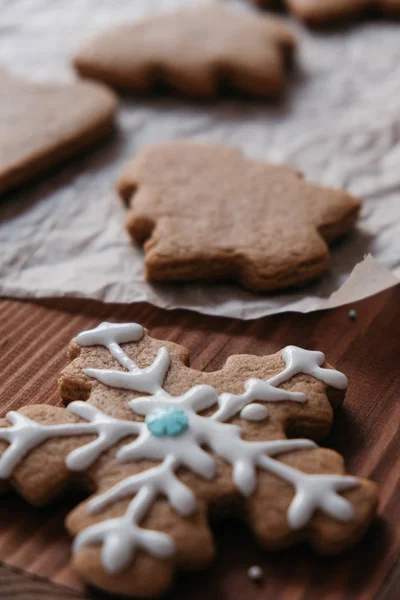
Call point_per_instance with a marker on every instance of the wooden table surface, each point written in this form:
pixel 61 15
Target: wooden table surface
pixel 35 549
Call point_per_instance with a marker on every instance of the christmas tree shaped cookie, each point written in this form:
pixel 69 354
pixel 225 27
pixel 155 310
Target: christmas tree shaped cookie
pixel 157 444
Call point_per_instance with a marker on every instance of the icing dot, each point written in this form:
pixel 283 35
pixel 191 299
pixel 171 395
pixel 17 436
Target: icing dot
pixel 254 412
pixel 169 422
pixel 255 573
pixel 352 314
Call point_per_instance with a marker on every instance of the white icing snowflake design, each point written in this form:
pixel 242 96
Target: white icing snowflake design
pixel 174 433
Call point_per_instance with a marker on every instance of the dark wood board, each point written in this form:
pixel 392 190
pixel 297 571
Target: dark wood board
pixel 34 546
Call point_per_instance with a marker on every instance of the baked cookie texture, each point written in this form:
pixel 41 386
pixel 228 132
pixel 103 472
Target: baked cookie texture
pixel 41 125
pixel 195 52
pixel 323 12
pixel 159 445
pixel 204 212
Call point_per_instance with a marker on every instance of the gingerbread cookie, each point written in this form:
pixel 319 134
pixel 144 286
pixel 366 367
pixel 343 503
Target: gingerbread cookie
pixel 321 12
pixel 159 444
pixel 194 51
pixel 41 125
pixel 205 212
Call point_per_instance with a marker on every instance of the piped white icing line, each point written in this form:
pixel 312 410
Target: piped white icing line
pixel 111 335
pixel 25 434
pixel 148 380
pixel 313 492
pixel 256 389
pixel 161 479
pixel 254 412
pixel 309 362
pixel 121 536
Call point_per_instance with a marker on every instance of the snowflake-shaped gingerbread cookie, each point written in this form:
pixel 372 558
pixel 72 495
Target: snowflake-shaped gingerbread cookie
pixel 158 443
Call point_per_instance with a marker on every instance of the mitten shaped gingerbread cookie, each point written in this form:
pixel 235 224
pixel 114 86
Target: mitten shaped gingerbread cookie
pixel 43 124
pixel 324 12
pixel 194 51
pixel 205 212
pixel 159 445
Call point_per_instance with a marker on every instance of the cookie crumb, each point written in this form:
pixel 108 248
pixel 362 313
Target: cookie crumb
pixel 255 573
pixel 352 314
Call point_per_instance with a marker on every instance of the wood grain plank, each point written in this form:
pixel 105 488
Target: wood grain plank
pixel 33 341
pixel 15 584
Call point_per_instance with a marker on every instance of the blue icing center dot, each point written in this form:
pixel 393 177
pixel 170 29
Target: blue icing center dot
pixel 168 422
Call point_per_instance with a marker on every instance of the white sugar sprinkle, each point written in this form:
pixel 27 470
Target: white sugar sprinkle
pixel 255 573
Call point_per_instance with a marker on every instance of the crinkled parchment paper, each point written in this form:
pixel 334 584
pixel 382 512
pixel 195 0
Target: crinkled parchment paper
pixel 339 123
